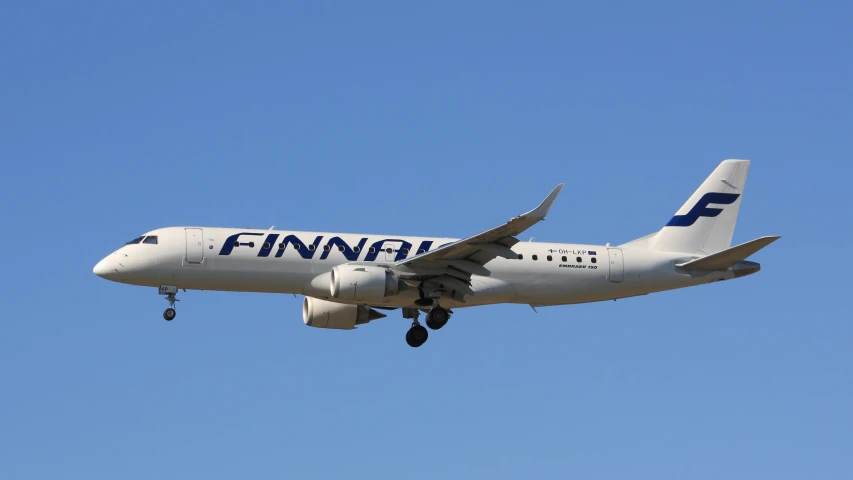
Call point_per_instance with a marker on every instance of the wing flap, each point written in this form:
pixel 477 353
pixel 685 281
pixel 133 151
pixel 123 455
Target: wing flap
pixel 457 284
pixel 469 267
pixel 496 249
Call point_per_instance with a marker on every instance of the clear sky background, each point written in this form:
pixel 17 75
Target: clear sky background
pixel 430 118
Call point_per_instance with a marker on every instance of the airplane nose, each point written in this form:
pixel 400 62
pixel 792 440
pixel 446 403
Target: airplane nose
pixel 106 268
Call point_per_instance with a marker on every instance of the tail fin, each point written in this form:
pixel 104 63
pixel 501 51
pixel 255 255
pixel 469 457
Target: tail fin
pixel 699 227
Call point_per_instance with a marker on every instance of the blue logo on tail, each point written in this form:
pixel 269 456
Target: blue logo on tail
pixel 701 209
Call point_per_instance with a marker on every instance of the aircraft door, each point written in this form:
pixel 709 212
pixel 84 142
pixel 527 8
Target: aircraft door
pixel 391 249
pixel 195 245
pixel 617 266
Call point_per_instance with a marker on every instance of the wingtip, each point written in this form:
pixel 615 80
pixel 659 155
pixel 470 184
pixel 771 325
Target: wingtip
pixel 543 207
pixel 554 193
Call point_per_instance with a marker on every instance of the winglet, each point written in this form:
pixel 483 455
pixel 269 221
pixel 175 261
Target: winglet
pixel 542 210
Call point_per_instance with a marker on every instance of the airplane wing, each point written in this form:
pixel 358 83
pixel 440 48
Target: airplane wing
pixel 453 264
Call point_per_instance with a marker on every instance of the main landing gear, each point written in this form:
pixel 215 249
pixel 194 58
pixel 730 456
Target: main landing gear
pixel 437 317
pixel 417 335
pixel 170 291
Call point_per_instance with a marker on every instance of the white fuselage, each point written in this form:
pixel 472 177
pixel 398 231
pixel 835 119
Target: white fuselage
pixel 205 258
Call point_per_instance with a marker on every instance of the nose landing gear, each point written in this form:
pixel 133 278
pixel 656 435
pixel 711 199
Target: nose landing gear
pixel 169 291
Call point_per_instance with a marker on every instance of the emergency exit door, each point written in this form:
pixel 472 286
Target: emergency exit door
pixel 617 266
pixel 195 245
pixel 391 249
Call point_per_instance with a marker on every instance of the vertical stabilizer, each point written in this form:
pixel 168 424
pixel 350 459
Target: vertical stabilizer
pixel 706 223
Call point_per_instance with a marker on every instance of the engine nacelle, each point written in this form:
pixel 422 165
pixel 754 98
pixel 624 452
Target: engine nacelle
pixel 363 284
pixel 323 314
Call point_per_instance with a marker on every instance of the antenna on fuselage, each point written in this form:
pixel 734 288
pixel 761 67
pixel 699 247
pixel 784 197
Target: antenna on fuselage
pixel 272 227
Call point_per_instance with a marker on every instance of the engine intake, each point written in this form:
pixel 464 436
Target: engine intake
pixel 324 314
pixel 363 284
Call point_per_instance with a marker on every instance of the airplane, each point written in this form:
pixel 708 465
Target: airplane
pixel 349 280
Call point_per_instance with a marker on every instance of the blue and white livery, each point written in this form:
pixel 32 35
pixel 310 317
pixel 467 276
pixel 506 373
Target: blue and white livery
pixel 349 279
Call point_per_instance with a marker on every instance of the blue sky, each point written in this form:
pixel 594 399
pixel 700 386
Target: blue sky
pixel 438 118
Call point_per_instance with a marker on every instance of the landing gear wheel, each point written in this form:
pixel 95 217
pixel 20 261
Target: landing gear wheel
pixel 437 318
pixel 416 336
pixel 170 291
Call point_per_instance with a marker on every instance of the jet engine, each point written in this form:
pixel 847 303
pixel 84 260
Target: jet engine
pixel 363 284
pixel 323 314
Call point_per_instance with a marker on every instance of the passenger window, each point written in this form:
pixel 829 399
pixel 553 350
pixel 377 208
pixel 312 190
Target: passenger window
pixel 565 259
pixel 389 250
pixel 593 260
pixel 296 246
pixel 420 251
pixel 356 249
pixel 535 257
pixel 579 259
pixel 549 258
pixel 281 246
pixel 135 241
pixel 311 247
pixel 267 245
pixel 371 250
pixel 151 240
pixel 326 248
pixel 405 251
pixel 340 248
pixel 520 256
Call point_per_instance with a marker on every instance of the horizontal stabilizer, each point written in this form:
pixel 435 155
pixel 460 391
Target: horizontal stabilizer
pixel 729 257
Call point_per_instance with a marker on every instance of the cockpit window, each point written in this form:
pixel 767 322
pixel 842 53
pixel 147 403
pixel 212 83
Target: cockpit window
pixel 135 240
pixel 152 239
